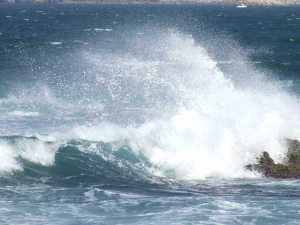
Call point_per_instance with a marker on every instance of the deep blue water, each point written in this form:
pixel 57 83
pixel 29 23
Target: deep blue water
pixel 136 114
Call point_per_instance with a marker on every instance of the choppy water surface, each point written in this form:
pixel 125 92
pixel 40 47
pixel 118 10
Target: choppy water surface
pixel 128 114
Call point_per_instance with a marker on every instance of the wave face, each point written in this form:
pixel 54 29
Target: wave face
pixel 186 106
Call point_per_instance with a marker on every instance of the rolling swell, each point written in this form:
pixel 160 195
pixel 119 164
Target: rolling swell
pixel 74 164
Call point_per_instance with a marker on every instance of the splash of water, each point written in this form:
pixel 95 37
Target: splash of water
pixel 184 114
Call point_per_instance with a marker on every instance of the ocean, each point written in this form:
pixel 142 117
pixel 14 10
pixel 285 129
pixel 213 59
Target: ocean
pixel 147 114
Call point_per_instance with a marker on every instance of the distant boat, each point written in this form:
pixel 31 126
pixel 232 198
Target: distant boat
pixel 242 6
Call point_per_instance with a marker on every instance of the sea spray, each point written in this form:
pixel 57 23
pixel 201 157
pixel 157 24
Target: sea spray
pixel 171 104
pixel 15 148
pixel 8 158
pixel 144 113
pixel 208 124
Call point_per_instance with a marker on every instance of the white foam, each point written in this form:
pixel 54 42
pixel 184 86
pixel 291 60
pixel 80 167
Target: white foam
pixel 77 41
pixel 32 149
pixel 56 43
pixel 90 195
pixel 208 124
pixel 8 156
pixel 196 145
pixel 36 151
pixel 21 113
pixel 99 29
pixel 223 121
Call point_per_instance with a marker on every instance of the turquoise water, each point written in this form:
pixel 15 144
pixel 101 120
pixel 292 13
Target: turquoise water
pixel 128 114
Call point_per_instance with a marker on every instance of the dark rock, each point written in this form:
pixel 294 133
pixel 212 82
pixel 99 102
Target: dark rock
pixel 266 159
pixel 293 154
pixel 291 168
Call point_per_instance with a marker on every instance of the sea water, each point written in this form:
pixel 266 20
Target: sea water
pixel 146 114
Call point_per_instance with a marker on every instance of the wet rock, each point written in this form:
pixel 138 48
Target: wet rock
pixel 266 159
pixel 293 154
pixel 291 168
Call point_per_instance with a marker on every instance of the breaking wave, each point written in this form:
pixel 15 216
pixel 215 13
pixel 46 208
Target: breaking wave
pixel 171 105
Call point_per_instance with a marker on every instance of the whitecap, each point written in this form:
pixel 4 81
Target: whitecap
pixel 56 43
pixel 221 122
pixel 21 113
pixel 36 150
pixel 77 41
pixel 90 195
pixel 98 29
pixel 8 158
pixel 32 149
